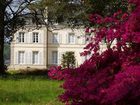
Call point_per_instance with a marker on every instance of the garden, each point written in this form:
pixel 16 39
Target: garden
pixel 20 89
pixel 112 76
pixel 109 77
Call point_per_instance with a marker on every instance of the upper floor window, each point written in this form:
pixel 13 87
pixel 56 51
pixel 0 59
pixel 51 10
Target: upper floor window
pixel 35 37
pixel 71 38
pixel 55 38
pixel 21 37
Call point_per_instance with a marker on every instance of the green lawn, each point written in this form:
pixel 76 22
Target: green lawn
pixel 29 90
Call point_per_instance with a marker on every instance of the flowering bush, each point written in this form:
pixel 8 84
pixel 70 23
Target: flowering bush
pixel 56 72
pixel 113 76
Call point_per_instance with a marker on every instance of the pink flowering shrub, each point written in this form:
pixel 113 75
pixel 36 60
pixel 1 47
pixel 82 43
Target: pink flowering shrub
pixel 56 73
pixel 113 76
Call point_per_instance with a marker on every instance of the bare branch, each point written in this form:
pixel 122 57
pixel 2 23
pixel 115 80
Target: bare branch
pixel 8 2
pixel 19 11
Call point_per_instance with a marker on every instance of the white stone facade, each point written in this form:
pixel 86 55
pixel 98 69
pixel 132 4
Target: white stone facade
pixel 40 48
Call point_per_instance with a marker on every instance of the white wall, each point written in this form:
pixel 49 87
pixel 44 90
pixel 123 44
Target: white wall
pixel 63 46
pixel 28 47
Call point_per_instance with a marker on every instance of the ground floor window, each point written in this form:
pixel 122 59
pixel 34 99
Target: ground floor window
pixel 35 57
pixel 21 57
pixel 54 57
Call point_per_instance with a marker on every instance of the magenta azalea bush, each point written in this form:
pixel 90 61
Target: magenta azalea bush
pixel 113 76
pixel 56 73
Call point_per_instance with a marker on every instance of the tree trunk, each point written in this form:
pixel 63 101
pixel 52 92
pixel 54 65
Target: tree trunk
pixel 2 10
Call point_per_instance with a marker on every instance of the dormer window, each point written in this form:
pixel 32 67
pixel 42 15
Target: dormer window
pixel 21 37
pixel 35 37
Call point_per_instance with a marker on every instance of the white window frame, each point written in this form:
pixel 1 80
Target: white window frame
pixel 21 57
pixel 55 38
pixel 71 38
pixel 55 57
pixel 35 57
pixel 21 37
pixel 35 37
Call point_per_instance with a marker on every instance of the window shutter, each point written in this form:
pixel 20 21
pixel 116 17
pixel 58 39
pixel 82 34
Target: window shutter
pixel 67 38
pixel 16 37
pixel 40 58
pixel 31 37
pixel 49 58
pixel 30 58
pixel 50 36
pixel 16 57
pixel 26 57
pixel 39 37
pixel 59 39
pixel 42 37
pixel 59 57
pixel 83 40
pixel 75 39
pixel 26 37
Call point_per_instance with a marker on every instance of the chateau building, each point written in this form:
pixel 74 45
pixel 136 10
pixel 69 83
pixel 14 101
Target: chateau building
pixel 41 48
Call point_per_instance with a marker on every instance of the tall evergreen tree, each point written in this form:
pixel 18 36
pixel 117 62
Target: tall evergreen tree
pixel 68 60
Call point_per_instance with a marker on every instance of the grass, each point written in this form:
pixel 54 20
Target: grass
pixel 29 90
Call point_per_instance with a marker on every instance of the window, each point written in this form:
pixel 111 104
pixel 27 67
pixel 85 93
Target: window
pixel 21 37
pixel 35 59
pixel 35 37
pixel 54 57
pixel 55 38
pixel 21 57
pixel 71 38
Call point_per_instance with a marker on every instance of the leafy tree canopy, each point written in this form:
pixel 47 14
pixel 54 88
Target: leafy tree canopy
pixel 14 14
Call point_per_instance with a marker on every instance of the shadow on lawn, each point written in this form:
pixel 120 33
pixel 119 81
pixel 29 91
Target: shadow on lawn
pixel 23 74
pixel 13 97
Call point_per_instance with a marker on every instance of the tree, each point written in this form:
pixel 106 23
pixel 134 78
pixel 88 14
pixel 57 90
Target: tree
pixel 13 16
pixel 113 76
pixel 6 51
pixel 76 12
pixel 67 12
pixel 68 60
